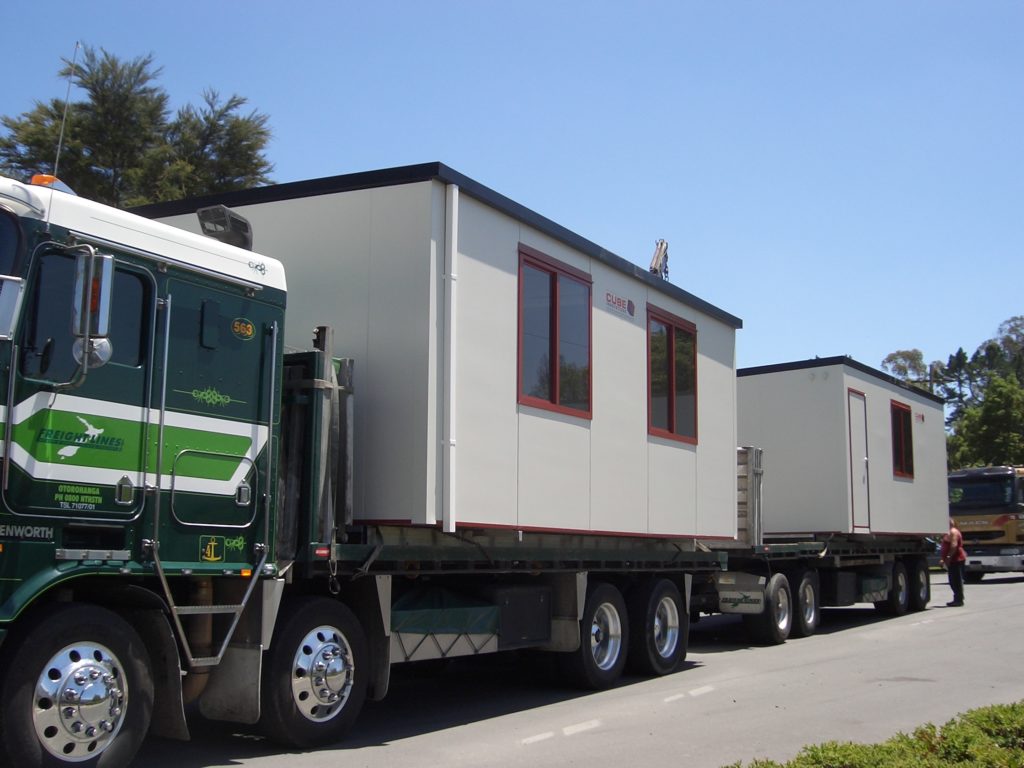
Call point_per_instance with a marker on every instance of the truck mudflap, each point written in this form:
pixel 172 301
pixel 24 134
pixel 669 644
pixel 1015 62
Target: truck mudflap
pixel 739 592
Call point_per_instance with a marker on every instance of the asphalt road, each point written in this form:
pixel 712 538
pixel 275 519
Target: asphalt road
pixel 861 678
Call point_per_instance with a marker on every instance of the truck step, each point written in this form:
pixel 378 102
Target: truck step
pixel 205 661
pixel 202 610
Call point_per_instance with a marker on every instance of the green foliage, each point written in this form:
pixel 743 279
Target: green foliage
pixel 984 393
pixel 990 737
pixel 121 147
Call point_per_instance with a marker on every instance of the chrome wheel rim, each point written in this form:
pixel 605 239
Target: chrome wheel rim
pixel 666 627
pixel 807 604
pixel 782 609
pixel 922 585
pixel 80 701
pixel 323 674
pixel 901 588
pixel 606 636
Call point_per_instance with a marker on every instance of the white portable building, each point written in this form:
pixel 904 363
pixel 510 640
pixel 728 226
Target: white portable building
pixel 847 449
pixel 454 301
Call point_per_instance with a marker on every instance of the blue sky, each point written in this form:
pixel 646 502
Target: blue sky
pixel 846 177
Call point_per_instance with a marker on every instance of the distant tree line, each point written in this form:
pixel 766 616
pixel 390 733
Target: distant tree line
pixel 121 145
pixel 984 395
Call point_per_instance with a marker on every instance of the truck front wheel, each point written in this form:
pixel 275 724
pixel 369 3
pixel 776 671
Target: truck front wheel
pixel 78 690
pixel 314 676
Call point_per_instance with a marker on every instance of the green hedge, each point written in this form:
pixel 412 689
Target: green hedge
pixel 991 737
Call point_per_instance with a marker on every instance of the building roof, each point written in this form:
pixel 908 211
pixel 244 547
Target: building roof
pixel 411 174
pixel 849 362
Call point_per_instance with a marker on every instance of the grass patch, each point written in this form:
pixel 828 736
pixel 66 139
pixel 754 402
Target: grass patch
pixel 990 737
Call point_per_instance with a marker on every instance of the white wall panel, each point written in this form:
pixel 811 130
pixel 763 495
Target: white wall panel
pixel 798 418
pixel 672 483
pixel 554 471
pixel 487 334
pixel 619 428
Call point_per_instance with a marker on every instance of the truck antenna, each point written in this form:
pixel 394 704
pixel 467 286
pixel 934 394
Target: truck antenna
pixel 67 101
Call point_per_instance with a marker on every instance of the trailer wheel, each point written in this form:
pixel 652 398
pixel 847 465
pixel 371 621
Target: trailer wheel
pixel 920 585
pixel 314 676
pixel 658 628
pixel 77 690
pixel 773 624
pixel 898 600
pixel 604 640
pixel 807 608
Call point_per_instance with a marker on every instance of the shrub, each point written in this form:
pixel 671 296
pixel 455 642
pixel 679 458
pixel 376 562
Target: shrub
pixel 990 737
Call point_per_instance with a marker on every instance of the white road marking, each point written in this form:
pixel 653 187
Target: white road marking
pixel 572 730
pixel 538 737
pixel 677 697
pixel 702 690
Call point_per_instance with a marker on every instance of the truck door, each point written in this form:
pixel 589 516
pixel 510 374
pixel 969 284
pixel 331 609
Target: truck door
pixel 77 447
pixel 860 489
pixel 217 393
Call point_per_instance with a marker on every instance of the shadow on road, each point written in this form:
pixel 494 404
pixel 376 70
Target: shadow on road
pixel 425 699
pixel 421 699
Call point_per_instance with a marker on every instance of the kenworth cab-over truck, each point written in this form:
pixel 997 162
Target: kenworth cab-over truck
pixel 195 513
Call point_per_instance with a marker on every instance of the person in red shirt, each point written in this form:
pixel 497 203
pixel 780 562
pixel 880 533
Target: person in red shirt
pixel 953 557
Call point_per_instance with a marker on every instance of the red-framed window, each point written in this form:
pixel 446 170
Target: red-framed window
pixel 902 440
pixel 554 325
pixel 671 376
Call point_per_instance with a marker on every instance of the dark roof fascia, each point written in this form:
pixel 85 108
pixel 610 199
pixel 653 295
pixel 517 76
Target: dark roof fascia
pixel 849 362
pixel 411 174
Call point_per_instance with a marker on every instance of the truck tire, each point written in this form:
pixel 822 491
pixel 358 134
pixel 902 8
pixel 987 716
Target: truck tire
pixel 77 691
pixel 920 584
pixel 973 577
pixel 314 675
pixel 772 626
pixel 898 601
pixel 604 640
pixel 658 626
pixel 806 605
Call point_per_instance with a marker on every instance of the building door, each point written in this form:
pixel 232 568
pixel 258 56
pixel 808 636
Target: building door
pixel 860 487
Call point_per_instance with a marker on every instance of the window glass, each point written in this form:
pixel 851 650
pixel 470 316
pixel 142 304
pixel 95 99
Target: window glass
pixel 554 341
pixel 671 377
pixel 8 244
pixel 536 341
pixel 46 352
pixel 902 441
pixel 573 343
pixel 659 375
pixel 129 320
pixel 48 341
pixel 685 384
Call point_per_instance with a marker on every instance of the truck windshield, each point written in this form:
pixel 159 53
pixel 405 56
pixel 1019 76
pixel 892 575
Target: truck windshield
pixel 983 492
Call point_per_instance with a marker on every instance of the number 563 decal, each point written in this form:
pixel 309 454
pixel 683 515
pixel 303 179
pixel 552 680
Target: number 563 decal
pixel 243 329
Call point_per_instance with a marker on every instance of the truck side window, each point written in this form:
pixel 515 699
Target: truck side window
pixel 47 343
pixel 9 242
pixel 48 339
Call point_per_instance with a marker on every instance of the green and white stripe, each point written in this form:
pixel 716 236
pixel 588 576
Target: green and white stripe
pixel 64 438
